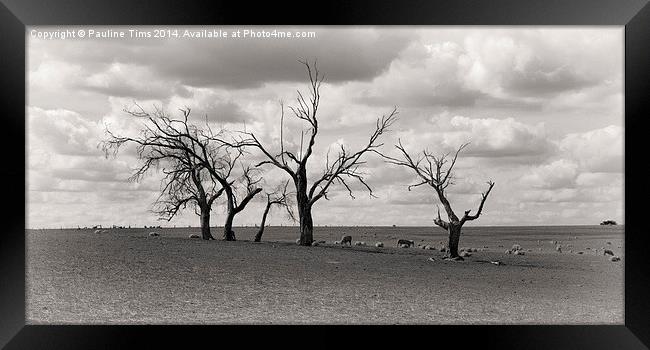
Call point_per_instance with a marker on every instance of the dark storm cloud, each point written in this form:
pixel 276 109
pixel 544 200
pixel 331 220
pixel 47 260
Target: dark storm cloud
pixel 343 55
pixel 358 55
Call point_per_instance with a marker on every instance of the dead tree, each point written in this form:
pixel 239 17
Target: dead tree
pixel 342 169
pixel 195 149
pixel 279 197
pixel 185 185
pixel 249 182
pixel 433 171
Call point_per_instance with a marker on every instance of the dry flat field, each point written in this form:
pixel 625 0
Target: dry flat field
pixel 123 276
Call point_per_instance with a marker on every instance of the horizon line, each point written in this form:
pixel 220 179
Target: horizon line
pixel 296 226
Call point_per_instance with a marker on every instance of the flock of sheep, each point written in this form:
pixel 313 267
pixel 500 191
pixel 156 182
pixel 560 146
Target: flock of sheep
pixel 407 243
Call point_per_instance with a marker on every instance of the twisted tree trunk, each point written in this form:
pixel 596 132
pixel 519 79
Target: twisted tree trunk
pixel 233 209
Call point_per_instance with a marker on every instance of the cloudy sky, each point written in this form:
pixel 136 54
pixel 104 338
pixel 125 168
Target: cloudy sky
pixel 543 109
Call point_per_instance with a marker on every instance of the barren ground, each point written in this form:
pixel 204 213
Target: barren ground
pixel 126 277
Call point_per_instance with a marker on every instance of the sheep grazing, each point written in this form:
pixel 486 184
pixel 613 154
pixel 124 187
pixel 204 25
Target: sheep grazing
pixel 608 252
pixel 379 244
pixel 297 240
pixel 314 244
pixel 346 239
pixel 465 254
pixel 194 235
pixel 516 250
pixel 154 234
pixel 428 247
pixel 614 258
pixel 337 242
pixel 98 231
pixel 406 241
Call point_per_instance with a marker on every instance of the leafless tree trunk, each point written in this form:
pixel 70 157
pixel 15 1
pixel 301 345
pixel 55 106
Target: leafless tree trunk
pixel 275 198
pixel 205 223
pixel 431 171
pixel 260 232
pixel 344 168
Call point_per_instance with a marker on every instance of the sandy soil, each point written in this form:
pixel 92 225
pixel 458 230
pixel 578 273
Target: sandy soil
pixel 127 277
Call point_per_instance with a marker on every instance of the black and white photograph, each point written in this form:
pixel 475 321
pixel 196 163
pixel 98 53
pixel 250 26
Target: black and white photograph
pixel 351 174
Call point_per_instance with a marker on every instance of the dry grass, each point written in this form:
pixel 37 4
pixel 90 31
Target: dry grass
pixel 127 277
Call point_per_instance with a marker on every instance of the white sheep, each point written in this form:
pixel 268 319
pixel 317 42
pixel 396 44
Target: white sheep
pixel 379 244
pixel 154 234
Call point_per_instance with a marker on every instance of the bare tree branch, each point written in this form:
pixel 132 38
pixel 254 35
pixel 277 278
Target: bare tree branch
pixel 484 196
pixel 189 152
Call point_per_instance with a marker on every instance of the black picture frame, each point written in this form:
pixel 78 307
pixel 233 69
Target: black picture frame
pixel 15 15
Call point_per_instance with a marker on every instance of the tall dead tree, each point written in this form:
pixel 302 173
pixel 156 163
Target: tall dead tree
pixel 279 197
pixel 196 150
pixel 434 172
pixel 344 168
